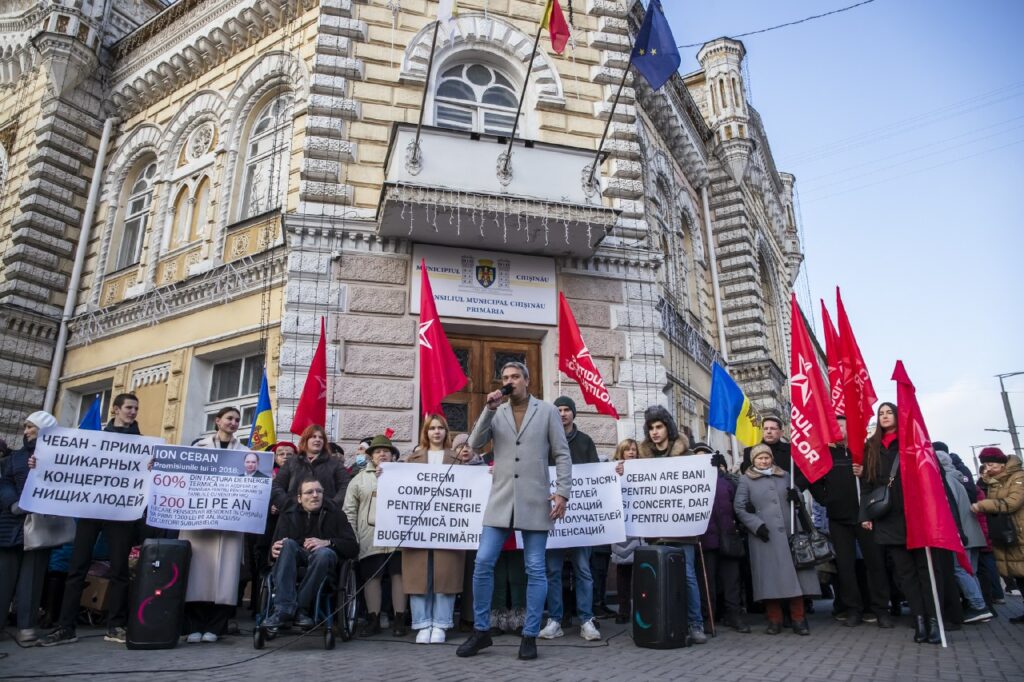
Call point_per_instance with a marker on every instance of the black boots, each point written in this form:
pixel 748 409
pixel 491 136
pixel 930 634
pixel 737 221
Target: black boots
pixel 477 642
pixel 934 636
pixel 398 628
pixel 920 629
pixel 528 648
pixel 800 627
pixel 372 625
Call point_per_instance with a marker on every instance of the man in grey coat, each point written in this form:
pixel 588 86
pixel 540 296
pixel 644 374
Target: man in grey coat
pixel 526 432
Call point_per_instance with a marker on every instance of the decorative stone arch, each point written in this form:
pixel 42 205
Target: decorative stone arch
pixel 474 32
pixel 207 105
pixel 144 138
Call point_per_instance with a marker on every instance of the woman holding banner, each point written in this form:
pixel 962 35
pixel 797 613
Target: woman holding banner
pixel 216 555
pixel 361 510
pixel 433 577
pixel 762 505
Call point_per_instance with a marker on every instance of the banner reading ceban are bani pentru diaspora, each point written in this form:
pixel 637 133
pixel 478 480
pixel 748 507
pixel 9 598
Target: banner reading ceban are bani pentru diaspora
pixel 668 496
pixel 89 475
pixel 433 506
pixel 210 489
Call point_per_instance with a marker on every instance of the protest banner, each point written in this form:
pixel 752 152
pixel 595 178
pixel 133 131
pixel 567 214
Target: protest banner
pixel 594 514
pixel 210 489
pixel 668 496
pixel 431 505
pixel 89 475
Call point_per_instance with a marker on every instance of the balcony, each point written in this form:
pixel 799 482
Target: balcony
pixel 457 193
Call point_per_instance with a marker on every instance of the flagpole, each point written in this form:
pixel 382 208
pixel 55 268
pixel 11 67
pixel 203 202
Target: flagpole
pixel 522 96
pixel 414 159
pixel 935 596
pixel 608 123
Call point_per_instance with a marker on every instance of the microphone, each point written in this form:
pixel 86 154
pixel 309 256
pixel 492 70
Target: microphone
pixel 506 389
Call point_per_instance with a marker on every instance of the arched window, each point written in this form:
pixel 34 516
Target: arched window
pixel 190 212
pixel 475 97
pixel 140 196
pixel 266 159
pixel 3 168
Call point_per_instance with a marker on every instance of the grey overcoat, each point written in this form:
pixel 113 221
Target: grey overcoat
pixel 520 488
pixel 771 563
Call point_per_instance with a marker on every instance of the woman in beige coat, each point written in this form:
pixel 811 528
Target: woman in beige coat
pixel 216 556
pixel 433 577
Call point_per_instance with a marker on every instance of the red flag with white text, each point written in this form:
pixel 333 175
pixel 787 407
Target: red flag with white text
pixel 859 394
pixel 574 359
pixel 312 408
pixel 930 521
pixel 440 371
pixel 835 365
pixel 814 423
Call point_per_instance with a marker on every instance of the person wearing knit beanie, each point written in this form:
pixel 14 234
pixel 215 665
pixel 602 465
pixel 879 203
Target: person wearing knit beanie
pixel 992 455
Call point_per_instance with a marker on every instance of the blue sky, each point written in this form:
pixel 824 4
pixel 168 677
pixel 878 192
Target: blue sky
pixel 903 123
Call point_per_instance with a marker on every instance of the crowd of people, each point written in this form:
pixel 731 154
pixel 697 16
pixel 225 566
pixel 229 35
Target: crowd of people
pixel 323 511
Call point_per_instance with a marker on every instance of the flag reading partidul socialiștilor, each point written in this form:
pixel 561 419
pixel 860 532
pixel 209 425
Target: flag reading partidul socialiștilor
pixel 859 394
pixel 813 424
pixel 574 359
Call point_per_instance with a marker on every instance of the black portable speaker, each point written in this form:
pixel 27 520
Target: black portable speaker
pixel 158 594
pixel 659 597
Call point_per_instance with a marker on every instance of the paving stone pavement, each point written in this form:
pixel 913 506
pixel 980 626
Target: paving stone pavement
pixel 989 651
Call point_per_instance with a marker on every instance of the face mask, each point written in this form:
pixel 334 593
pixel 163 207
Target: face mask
pixel 360 461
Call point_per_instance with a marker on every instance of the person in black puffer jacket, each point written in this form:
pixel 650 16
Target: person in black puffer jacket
pixel 313 459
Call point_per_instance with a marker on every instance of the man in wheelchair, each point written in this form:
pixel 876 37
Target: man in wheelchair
pixel 313 534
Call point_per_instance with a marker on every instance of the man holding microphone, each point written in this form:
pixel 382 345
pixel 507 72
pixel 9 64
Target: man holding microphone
pixel 526 431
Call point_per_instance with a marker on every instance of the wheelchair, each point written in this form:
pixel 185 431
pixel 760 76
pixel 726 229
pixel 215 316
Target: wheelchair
pixel 340 589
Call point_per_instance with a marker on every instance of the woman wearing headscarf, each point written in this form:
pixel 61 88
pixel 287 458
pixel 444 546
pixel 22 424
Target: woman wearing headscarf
pixel 762 504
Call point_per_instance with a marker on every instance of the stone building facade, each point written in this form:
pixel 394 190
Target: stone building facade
pixel 263 171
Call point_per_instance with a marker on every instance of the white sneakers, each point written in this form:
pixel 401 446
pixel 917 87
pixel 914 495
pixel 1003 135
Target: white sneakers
pixel 553 630
pixel 209 637
pixel 194 638
pixel 589 631
pixel 430 636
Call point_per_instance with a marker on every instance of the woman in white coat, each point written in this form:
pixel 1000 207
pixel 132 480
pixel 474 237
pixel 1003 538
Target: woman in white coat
pixel 216 556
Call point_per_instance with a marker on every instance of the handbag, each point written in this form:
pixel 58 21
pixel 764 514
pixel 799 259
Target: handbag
pixel 731 544
pixel 810 547
pixel 878 502
pixel 46 530
pixel 1002 529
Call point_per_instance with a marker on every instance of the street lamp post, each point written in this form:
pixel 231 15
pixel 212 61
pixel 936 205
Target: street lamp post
pixel 1009 412
pixel 974 454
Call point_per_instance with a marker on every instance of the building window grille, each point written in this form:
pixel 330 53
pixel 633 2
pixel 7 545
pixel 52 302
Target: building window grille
pixel 477 98
pixel 235 383
pixel 266 158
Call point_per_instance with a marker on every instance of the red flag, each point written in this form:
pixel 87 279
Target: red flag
pixel 929 519
pixel 835 365
pixel 574 359
pixel 312 407
pixel 814 423
pixel 859 394
pixel 554 21
pixel 440 371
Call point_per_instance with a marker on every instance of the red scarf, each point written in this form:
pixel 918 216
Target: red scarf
pixel 888 438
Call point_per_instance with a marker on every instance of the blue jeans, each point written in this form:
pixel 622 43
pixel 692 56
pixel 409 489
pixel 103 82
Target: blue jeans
pixel 969 583
pixel 432 609
pixel 319 564
pixel 491 541
pixel 692 587
pixel 580 557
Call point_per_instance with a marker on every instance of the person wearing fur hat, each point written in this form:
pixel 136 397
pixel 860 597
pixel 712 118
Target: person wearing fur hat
pixel 662 438
pixel 21 570
pixel 1004 480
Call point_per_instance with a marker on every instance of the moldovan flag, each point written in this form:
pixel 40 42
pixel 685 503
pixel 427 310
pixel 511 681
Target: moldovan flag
pixel 858 392
pixel 440 371
pixel 574 359
pixel 554 21
pixel 929 519
pixel 835 365
pixel 730 410
pixel 814 423
pixel 263 433
pixel 312 407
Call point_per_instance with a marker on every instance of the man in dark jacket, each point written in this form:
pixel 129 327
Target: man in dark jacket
pixel 120 537
pixel 313 533
pixel 837 491
pixel 582 451
pixel 330 471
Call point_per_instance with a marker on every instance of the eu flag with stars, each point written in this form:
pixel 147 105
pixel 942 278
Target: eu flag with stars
pixel 655 54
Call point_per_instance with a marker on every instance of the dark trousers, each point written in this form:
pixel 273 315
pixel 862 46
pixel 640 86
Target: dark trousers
pixel 723 579
pixel 988 577
pixel 910 567
pixel 120 535
pixel 319 564
pixel 845 538
pixel 624 588
pixel 22 574
pixel 599 572
pixel 205 616
pixel 949 591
